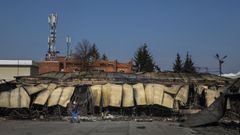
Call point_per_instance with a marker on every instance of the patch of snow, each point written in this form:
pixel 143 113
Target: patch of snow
pixel 232 75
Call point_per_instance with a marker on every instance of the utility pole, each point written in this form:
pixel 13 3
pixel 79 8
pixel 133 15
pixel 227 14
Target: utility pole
pixel 68 41
pixel 220 62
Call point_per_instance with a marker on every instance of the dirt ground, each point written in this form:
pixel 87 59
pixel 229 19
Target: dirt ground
pixel 31 127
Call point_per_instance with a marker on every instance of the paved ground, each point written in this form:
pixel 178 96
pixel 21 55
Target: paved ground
pixel 12 127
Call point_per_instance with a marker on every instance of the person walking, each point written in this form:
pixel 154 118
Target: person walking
pixel 75 113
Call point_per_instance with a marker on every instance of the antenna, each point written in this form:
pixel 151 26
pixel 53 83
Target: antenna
pixel 68 41
pixel 220 61
pixel 52 21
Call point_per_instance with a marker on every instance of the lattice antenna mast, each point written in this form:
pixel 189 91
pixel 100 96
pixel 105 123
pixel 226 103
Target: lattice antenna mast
pixel 52 21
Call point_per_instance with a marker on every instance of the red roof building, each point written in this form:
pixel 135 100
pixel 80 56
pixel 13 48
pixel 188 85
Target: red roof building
pixel 71 65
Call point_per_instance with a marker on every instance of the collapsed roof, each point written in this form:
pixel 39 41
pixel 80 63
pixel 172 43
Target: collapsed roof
pixel 103 78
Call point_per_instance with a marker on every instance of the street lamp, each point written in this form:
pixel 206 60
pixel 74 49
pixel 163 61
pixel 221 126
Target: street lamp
pixel 220 61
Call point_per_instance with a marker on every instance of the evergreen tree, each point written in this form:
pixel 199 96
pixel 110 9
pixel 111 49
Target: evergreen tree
pixel 189 65
pixel 104 57
pixel 157 69
pixel 143 60
pixel 178 66
pixel 94 53
pixel 192 67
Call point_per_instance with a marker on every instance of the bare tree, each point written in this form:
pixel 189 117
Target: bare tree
pixel 83 52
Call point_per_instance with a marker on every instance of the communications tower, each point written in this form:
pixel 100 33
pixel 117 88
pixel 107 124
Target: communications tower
pixel 52 53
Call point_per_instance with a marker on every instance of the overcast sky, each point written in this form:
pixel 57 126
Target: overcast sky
pixel 118 27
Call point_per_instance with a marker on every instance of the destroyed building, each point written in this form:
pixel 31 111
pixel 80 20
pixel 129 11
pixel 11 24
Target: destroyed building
pixel 152 94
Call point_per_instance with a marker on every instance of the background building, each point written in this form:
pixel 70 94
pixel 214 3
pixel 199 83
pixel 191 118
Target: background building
pixel 13 68
pixel 72 65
